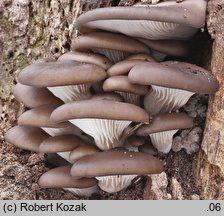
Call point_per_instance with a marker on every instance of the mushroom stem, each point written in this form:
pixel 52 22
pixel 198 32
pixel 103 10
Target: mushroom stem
pixel 106 133
pixel 164 100
pixel 72 92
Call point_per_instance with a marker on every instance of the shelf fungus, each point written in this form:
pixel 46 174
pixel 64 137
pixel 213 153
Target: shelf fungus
pixel 163 127
pixel 67 79
pixel 105 120
pixel 165 20
pixel 115 169
pixel 172 84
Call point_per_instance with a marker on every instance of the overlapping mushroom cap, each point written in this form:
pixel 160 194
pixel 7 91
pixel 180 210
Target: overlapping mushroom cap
pixel 166 20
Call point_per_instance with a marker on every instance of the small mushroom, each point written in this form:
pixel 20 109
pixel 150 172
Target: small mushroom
pixel 25 137
pixel 162 129
pixel 33 97
pixel 130 92
pixel 60 178
pixel 105 120
pixel 166 20
pixel 172 84
pixel 115 47
pixel 68 80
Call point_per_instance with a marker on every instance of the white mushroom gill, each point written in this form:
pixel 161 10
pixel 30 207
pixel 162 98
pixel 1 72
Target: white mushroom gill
pixel 112 55
pixel 115 183
pixel 83 192
pixel 130 97
pixel 106 133
pixel 71 92
pixel 147 29
pixel 162 141
pixel 164 100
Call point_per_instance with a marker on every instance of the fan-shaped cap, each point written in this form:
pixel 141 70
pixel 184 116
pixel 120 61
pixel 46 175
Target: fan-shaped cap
pixel 165 122
pixel 116 162
pixel 133 21
pixel 90 58
pixel 60 73
pixel 122 84
pixel 33 96
pixel 28 138
pixel 60 178
pixel 109 41
pixel 102 109
pixel 61 143
pixel 173 74
pixel 40 117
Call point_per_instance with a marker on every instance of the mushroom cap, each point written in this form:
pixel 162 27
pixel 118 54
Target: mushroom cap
pixel 60 178
pixel 122 84
pixel 166 122
pixel 60 73
pixel 116 162
pixel 109 41
pixel 90 58
pixel 189 13
pixel 123 67
pixel 169 47
pixel 40 117
pixel 81 151
pixel 33 96
pixel 61 143
pixel 173 74
pixel 28 138
pixel 108 96
pixel 102 109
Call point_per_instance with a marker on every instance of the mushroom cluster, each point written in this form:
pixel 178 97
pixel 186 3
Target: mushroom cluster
pixel 93 104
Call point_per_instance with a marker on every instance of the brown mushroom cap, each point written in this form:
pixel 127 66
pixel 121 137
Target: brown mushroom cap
pixel 173 74
pixel 33 96
pixel 61 143
pixel 109 41
pixel 40 117
pixel 169 47
pixel 165 122
pixel 28 138
pixel 60 73
pixel 103 109
pixel 187 13
pixel 122 84
pixel 123 67
pixel 60 178
pixel 116 162
pixel 90 58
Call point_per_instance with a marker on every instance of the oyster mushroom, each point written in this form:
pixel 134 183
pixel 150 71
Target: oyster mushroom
pixel 115 169
pixel 172 84
pixel 26 137
pixel 115 47
pixel 162 129
pixel 60 178
pixel 166 20
pixel 105 120
pixel 68 80
pixel 130 92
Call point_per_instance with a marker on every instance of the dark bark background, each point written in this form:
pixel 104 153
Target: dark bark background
pixel 43 28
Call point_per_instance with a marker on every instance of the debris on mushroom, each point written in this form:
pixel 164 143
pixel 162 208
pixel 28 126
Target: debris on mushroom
pixel 162 129
pixel 60 178
pixel 115 47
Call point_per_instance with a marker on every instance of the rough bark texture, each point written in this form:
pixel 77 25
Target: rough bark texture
pixel 210 169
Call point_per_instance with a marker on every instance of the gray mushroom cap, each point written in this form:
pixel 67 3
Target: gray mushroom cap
pixel 60 178
pixel 25 137
pixel 141 20
pixel 116 162
pixel 34 96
